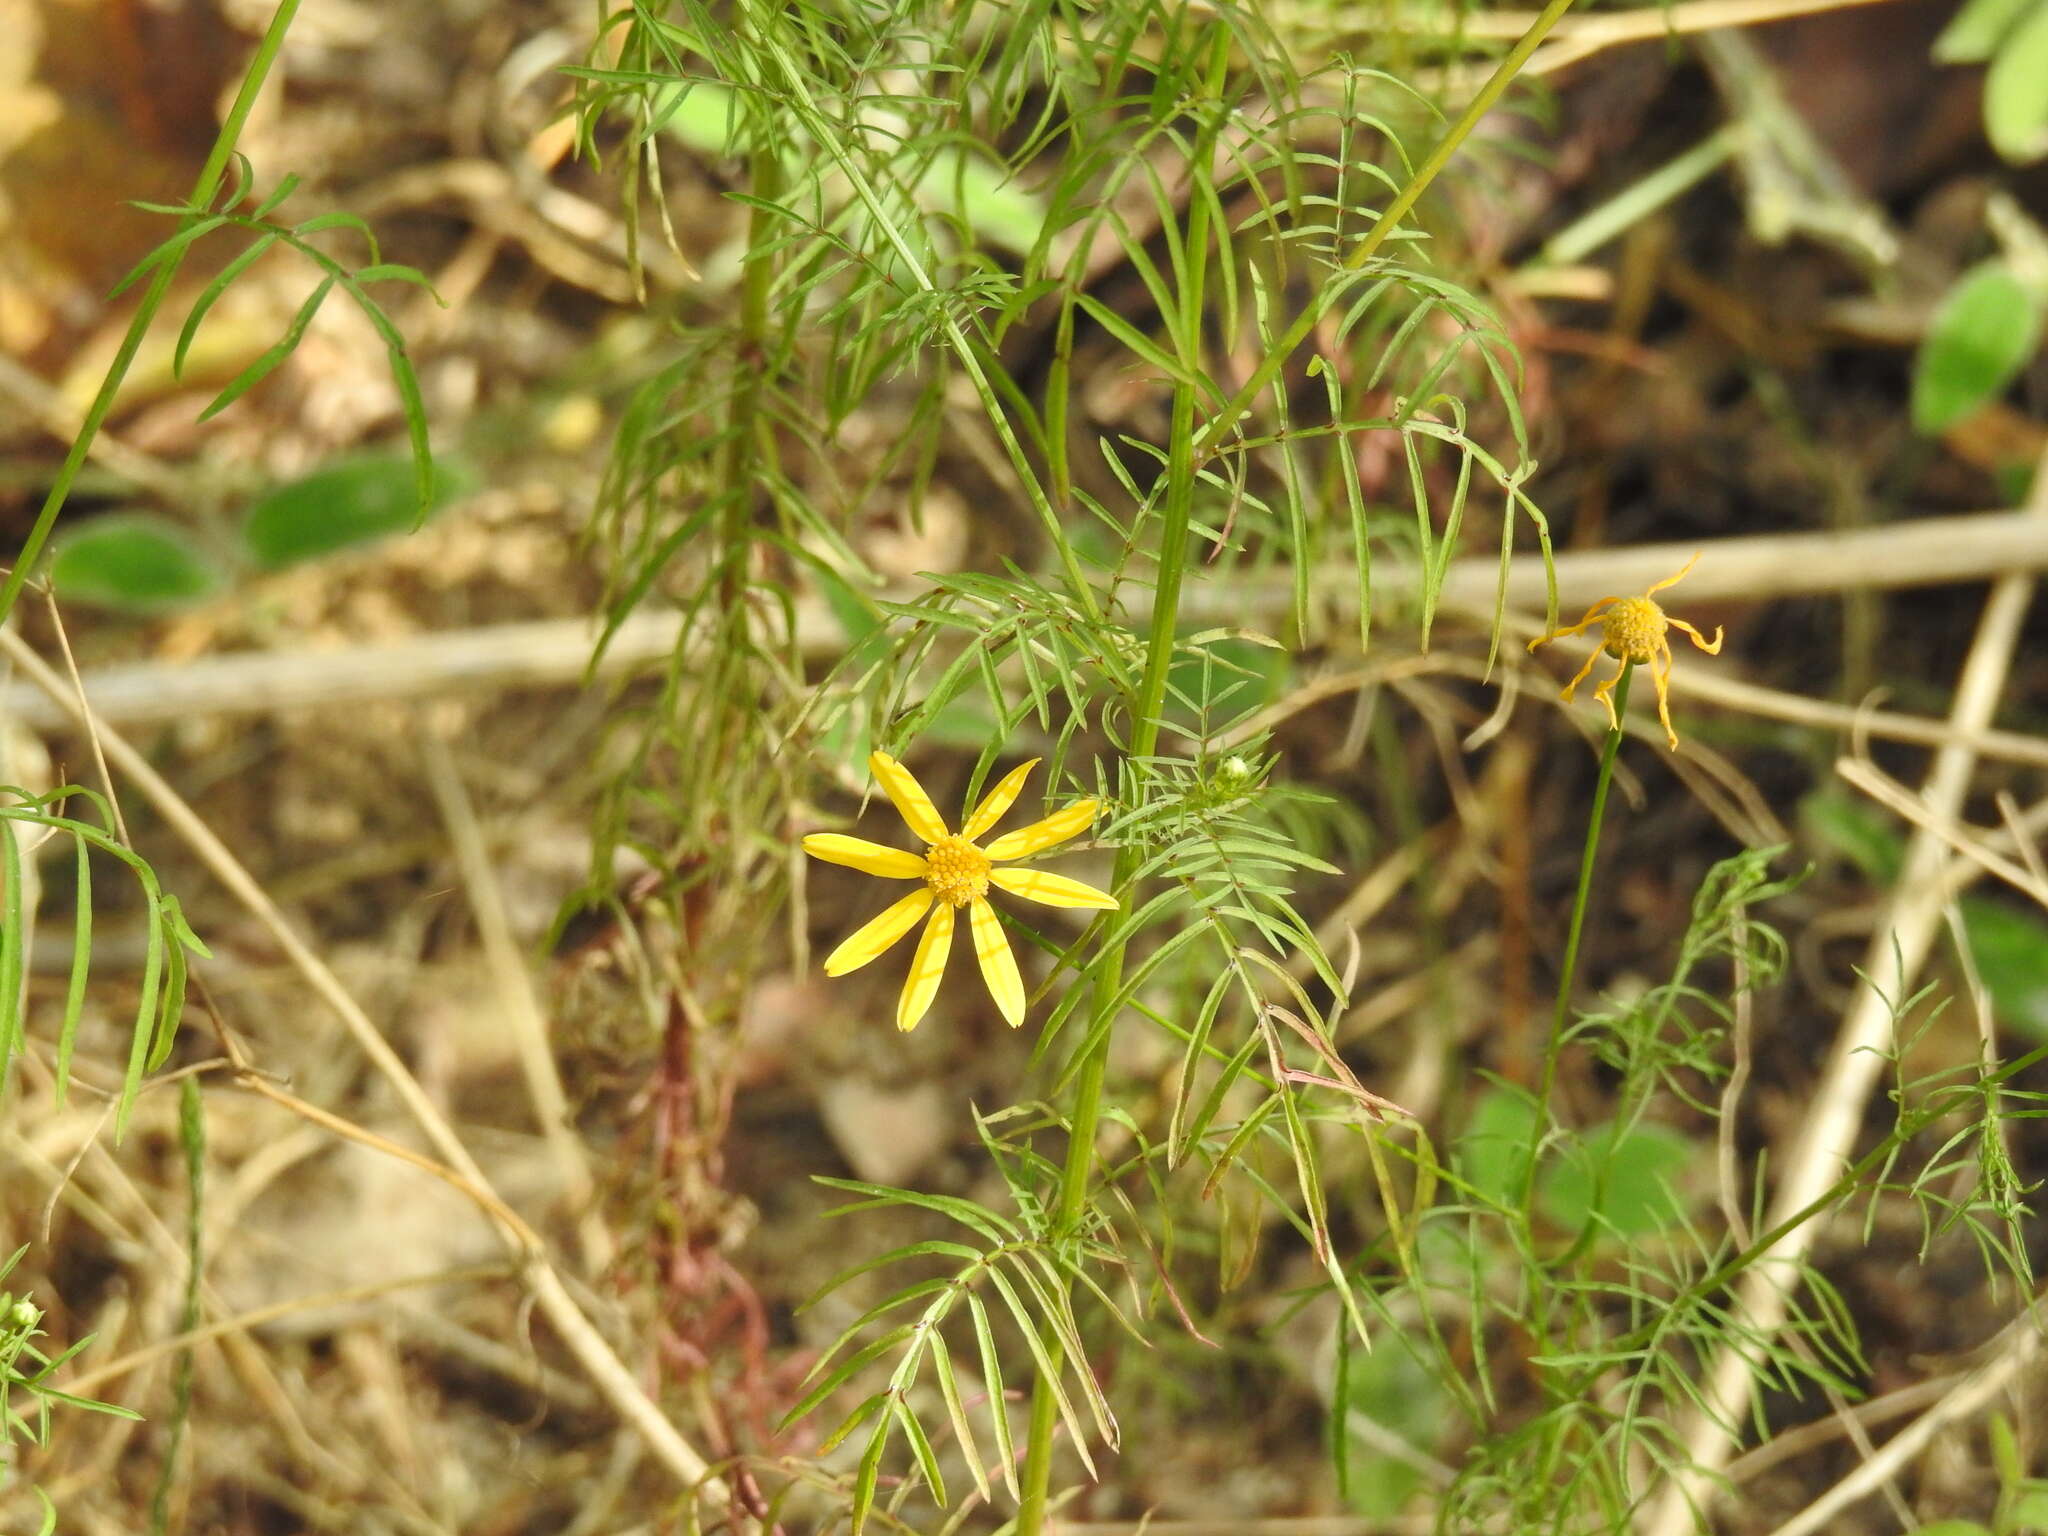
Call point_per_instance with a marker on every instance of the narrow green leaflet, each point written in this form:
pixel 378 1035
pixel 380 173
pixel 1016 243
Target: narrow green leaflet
pixel 1983 333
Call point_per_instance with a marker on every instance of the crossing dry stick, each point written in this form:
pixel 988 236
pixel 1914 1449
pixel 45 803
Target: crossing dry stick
pixel 1898 946
pixel 551 1294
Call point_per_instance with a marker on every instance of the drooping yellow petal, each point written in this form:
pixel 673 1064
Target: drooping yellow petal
pixel 926 968
pixel 1062 824
pixel 874 937
pixel 1679 575
pixel 908 796
pixel 998 964
pixel 1053 890
pixel 870 858
pixel 997 801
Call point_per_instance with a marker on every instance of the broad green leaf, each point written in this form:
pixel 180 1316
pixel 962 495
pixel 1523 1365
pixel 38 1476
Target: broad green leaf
pixel 1857 831
pixel 2029 1510
pixel 339 507
pixel 137 563
pixel 1389 1386
pixel 1950 1528
pixel 1626 1181
pixel 1977 30
pixel 857 615
pixel 702 115
pixel 2005 1450
pixel 2009 945
pixel 991 204
pixel 2016 92
pixel 1982 334
pixel 1491 1152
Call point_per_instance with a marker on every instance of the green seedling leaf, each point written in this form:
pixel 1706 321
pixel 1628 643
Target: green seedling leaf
pixel 1490 1154
pixel 702 115
pixel 1951 1528
pixel 1625 1181
pixel 2005 1450
pixel 2016 91
pixel 1979 27
pixel 341 506
pixel 1855 830
pixel 1982 335
pixel 134 563
pixel 2008 945
pixel 995 207
pixel 2029 1511
pixel 1392 1389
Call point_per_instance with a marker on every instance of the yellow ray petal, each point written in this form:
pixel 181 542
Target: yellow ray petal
pixel 908 796
pixel 998 964
pixel 874 937
pixel 1053 890
pixel 1056 828
pixel 997 801
pixel 1679 575
pixel 926 968
pixel 869 858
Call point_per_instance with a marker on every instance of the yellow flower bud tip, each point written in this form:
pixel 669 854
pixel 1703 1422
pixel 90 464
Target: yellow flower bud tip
pixel 1634 631
pixel 955 871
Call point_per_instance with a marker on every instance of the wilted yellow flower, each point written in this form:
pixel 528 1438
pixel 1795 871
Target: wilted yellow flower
pixel 1632 630
pixel 956 873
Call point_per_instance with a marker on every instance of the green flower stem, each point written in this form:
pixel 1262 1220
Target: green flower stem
pixel 1186 450
pixel 203 190
pixel 1147 706
pixel 1562 1014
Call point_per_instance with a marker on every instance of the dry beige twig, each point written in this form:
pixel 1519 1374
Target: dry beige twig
pixel 620 1388
pixel 2017 1348
pixel 1932 551
pixel 1834 1117
pixel 522 1010
pixel 1964 839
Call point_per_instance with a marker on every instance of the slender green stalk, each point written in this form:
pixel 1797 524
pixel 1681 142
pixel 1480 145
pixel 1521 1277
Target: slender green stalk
pixel 1540 1315
pixel 1554 1048
pixel 1186 450
pixel 96 414
pixel 1481 104
pixel 1146 709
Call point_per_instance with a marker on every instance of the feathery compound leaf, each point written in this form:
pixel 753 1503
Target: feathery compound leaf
pixel 996 1229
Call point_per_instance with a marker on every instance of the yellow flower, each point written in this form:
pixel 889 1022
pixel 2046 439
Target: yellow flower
pixel 1632 630
pixel 956 873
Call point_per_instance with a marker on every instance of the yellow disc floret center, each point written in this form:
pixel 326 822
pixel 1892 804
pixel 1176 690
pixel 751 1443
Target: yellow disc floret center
pixel 956 870
pixel 1633 629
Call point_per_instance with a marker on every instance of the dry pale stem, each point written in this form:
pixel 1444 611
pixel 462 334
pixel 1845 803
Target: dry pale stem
pixel 1827 1144
pixel 597 1358
pixel 1932 551
pixel 521 1009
